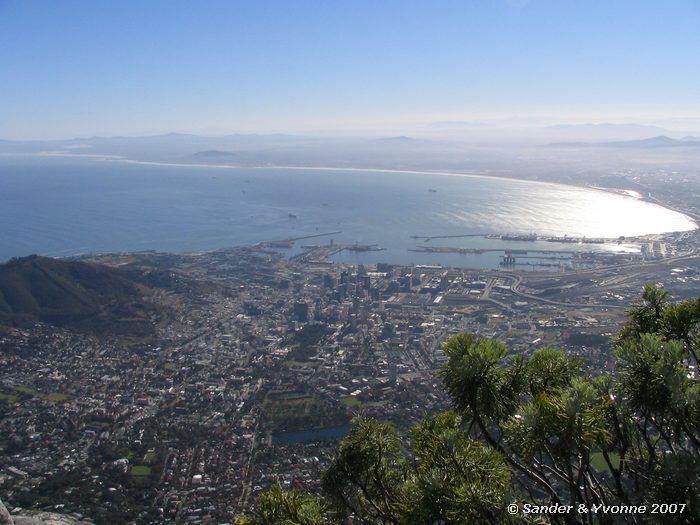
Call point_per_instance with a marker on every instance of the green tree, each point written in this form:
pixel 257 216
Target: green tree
pixel 645 315
pixel 368 475
pixel 287 507
pixel 456 479
pixel 528 430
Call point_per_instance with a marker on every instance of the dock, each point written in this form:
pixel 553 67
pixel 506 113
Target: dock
pixel 288 243
pixel 320 254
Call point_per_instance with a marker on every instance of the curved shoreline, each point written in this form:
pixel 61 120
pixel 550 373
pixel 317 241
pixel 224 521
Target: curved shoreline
pixel 620 192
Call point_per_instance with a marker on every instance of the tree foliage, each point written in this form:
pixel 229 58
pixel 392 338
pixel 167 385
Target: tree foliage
pixel 531 430
pixel 287 507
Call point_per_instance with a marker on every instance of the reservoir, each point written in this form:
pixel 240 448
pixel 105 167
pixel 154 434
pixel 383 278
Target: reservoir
pixel 303 436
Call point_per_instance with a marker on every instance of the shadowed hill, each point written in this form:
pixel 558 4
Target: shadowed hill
pixel 72 294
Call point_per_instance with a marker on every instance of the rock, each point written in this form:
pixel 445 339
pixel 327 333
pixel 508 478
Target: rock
pixel 5 517
pixel 32 517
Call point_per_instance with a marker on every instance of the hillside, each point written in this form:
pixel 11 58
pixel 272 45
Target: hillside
pixel 82 296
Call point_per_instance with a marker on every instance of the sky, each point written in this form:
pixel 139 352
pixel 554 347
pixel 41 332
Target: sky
pixel 84 67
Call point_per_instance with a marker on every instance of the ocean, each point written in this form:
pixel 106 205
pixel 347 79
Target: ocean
pixel 62 206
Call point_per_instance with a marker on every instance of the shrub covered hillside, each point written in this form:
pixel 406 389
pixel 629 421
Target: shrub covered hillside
pixel 532 440
pixel 82 296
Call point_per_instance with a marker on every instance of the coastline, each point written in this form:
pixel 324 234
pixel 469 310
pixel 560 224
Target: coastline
pixel 621 192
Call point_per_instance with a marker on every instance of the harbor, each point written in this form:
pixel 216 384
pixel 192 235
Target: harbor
pixel 526 251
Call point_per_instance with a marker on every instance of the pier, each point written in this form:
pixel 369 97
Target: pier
pixel 322 253
pixel 429 237
pixel 520 253
pixel 526 237
pixel 288 243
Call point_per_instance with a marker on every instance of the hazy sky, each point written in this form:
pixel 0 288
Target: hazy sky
pixel 85 67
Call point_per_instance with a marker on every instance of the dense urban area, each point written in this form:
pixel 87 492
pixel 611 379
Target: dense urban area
pixel 349 263
pixel 258 361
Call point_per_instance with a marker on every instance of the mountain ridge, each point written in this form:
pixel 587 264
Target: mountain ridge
pixel 77 295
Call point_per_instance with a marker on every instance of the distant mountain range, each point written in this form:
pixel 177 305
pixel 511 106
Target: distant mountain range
pixel 485 148
pixel 171 147
pixel 660 141
pixel 531 131
pixel 180 147
pixel 77 295
pixel 606 129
